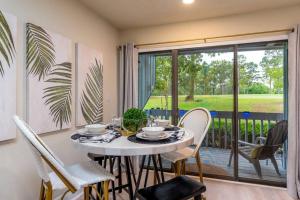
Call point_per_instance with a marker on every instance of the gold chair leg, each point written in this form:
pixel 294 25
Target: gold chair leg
pixel 42 192
pixel 177 168
pixel 105 190
pixel 48 191
pixel 199 165
pixel 86 191
pixel 183 172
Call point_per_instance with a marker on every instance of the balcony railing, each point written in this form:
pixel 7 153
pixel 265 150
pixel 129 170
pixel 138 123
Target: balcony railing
pixel 251 125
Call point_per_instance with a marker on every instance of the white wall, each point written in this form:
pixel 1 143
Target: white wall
pixel 252 22
pixel 18 178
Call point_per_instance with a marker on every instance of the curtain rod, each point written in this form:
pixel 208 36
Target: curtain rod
pixel 205 40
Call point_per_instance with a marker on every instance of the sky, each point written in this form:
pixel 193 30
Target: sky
pixel 251 56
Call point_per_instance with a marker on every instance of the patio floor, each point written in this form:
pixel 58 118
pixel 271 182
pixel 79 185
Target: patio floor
pixel 219 158
pixel 215 161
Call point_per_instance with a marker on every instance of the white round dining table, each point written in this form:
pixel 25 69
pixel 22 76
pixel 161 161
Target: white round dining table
pixel 123 147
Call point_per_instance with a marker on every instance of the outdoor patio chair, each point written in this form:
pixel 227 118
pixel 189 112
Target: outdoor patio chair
pixel 197 121
pixel 276 136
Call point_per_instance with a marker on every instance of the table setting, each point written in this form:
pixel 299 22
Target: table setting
pixel 135 134
pixel 154 131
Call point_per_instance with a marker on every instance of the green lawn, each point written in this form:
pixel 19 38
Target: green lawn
pixel 253 103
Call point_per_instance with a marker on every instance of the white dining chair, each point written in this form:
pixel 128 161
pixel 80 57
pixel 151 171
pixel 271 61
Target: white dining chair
pixel 196 121
pixel 64 178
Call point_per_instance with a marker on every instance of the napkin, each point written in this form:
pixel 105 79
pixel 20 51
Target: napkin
pixel 178 134
pixel 94 138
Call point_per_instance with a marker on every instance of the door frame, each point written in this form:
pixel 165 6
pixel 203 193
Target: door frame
pixel 235 125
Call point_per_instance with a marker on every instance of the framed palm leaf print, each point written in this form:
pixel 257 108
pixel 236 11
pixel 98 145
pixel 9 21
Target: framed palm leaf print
pixel 89 86
pixel 49 79
pixel 8 28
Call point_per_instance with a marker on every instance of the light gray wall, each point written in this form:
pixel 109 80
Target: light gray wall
pixel 18 178
pixel 264 20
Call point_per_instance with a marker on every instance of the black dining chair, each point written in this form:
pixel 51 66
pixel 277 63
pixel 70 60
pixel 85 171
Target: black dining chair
pixel 178 188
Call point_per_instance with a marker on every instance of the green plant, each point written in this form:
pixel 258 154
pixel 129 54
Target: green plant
pixel 92 97
pixel 7 47
pixel 59 94
pixel 134 119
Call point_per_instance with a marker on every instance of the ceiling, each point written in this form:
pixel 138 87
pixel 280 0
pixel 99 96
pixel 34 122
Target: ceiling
pixel 126 14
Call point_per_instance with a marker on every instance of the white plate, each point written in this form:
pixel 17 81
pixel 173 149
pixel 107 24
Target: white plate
pixel 96 128
pixel 163 136
pixel 86 131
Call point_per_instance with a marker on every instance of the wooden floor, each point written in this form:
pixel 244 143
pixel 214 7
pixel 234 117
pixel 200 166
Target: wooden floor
pixel 227 190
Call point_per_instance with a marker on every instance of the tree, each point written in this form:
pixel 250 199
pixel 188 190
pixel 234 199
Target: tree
pixel 248 74
pixel 190 65
pixel 163 77
pixel 220 75
pixel 203 79
pixel 272 64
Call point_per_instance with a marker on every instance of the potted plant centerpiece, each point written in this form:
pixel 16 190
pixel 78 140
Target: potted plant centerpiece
pixel 134 119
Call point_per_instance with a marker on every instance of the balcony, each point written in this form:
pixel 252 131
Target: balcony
pixel 216 147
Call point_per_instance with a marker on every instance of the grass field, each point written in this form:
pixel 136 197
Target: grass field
pixel 253 103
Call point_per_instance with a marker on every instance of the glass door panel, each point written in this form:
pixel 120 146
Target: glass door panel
pixel 205 78
pixel 159 103
pixel 261 105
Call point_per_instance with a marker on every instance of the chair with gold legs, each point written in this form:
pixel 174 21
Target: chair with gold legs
pixel 197 121
pixel 63 179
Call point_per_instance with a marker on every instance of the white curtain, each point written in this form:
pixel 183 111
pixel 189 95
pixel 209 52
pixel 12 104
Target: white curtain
pixel 293 179
pixel 128 83
pixel 128 77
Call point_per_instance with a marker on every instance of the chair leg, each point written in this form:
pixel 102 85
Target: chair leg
pixel 156 175
pixel 273 160
pixel 111 169
pixel 147 171
pixel 257 167
pixel 42 192
pixel 48 190
pixel 230 158
pixel 105 190
pixel 161 168
pixel 86 191
pixel 119 174
pixel 177 168
pixel 199 165
pixel 183 171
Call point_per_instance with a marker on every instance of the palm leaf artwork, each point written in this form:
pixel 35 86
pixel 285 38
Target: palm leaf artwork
pixel 92 97
pixel 7 46
pixel 39 50
pixel 59 96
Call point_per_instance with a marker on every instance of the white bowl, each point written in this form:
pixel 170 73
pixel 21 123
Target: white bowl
pixel 162 122
pixel 96 128
pixel 153 131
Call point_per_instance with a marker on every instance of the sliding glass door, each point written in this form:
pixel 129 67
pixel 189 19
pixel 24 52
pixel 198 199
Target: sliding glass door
pixel 244 86
pixel 261 105
pixel 205 78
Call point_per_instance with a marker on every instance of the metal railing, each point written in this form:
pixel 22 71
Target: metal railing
pixel 251 125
